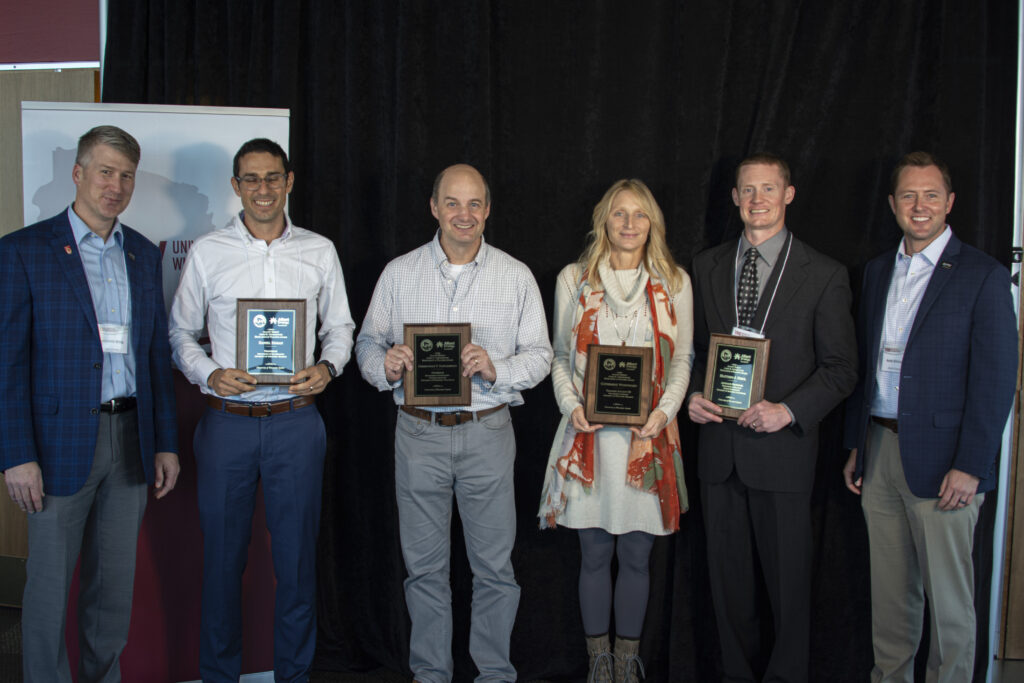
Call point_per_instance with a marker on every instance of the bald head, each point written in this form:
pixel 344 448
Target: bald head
pixel 461 169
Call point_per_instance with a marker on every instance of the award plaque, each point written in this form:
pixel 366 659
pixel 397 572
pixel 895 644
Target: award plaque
pixel 436 376
pixel 736 371
pixel 271 338
pixel 618 385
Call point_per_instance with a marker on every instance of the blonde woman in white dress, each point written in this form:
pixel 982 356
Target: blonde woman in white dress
pixel 620 487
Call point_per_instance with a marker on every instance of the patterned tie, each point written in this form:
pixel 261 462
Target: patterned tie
pixel 746 295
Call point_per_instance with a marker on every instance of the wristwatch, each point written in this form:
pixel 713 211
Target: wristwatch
pixel 330 367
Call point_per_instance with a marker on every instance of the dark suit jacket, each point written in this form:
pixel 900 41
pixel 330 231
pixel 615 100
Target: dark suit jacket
pixel 51 359
pixel 958 373
pixel 812 363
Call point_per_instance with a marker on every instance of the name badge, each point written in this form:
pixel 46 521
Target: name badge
pixel 744 331
pixel 892 358
pixel 114 338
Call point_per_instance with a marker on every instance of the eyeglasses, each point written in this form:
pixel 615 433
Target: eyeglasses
pixel 274 181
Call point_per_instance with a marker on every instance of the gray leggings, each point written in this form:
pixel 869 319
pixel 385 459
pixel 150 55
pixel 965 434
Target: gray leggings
pixel 631 587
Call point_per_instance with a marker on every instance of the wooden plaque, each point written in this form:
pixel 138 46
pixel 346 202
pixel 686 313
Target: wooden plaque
pixel 436 376
pixel 270 338
pixel 618 385
pixel 736 370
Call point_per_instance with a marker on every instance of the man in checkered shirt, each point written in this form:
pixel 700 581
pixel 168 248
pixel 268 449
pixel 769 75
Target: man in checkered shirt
pixel 469 451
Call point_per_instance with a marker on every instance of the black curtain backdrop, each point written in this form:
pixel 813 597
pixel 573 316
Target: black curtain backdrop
pixel 553 101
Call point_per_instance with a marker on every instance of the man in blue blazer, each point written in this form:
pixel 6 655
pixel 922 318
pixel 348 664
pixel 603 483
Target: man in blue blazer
pixel 88 412
pixel 938 337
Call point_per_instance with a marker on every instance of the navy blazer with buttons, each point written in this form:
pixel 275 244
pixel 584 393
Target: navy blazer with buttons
pixel 51 358
pixel 959 368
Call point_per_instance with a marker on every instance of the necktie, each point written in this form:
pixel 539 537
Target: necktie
pixel 746 295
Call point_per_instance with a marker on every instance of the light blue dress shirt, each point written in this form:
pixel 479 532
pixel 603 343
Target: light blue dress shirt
pixel 107 274
pixel 910 278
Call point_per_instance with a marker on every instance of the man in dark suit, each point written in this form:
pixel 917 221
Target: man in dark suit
pixel 757 471
pixel 938 336
pixel 86 407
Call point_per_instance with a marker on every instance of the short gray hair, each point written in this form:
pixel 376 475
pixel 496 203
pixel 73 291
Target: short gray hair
pixel 112 136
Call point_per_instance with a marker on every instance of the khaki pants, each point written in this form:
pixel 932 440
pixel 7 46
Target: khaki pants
pixel 917 550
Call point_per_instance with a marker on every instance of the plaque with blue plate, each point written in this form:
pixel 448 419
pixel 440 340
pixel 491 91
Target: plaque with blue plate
pixel 271 338
pixel 436 376
pixel 736 371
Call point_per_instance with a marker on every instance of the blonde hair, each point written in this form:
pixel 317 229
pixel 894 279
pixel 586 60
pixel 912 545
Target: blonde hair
pixel 657 257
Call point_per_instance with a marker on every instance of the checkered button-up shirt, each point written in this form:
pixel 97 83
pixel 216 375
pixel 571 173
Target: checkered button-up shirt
pixel 495 293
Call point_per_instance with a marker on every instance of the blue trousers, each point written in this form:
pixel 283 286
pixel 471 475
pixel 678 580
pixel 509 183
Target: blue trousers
pixel 474 461
pixel 233 453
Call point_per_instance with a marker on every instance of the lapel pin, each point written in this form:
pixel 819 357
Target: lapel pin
pixel 946 264
pixel 131 256
pixel 67 249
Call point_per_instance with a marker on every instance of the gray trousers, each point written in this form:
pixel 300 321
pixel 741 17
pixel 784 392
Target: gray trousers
pixel 102 522
pixel 917 550
pixel 474 461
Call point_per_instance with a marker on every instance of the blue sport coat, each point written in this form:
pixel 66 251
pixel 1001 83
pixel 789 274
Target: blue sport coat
pixel 51 360
pixel 959 368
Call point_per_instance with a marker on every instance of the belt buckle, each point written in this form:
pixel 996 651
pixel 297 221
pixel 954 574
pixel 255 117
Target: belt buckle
pixel 448 419
pixel 265 410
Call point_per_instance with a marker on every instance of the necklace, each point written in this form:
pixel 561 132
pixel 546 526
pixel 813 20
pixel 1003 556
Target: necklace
pixel 630 321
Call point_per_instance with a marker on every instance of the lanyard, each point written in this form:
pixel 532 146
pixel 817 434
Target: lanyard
pixel 775 289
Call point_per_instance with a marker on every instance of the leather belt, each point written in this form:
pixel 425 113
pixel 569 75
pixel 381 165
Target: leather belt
pixel 258 409
pixel 887 422
pixel 449 419
pixel 118 405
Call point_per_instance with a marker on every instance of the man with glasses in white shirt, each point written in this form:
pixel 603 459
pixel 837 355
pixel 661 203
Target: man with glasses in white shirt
pixel 254 432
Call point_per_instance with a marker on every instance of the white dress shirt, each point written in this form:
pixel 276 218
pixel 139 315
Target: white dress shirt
pixel 230 264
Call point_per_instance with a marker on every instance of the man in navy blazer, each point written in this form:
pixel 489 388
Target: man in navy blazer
pixel 88 412
pixel 938 336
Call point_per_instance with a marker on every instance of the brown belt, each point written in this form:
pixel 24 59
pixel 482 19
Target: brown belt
pixel 450 419
pixel 887 422
pixel 258 409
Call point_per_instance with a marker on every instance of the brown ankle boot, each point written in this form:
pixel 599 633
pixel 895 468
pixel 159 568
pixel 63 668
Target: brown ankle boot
pixel 628 667
pixel 599 651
